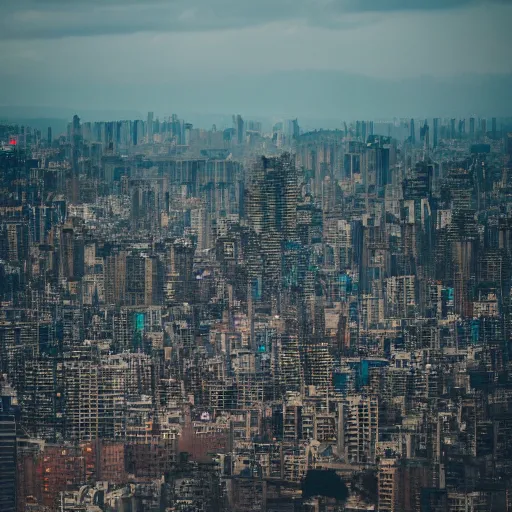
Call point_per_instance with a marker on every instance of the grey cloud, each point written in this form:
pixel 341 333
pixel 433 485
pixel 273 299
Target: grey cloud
pixel 401 5
pixel 27 19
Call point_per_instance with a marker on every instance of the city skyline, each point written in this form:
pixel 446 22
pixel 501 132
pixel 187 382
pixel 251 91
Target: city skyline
pixel 255 256
pixel 290 319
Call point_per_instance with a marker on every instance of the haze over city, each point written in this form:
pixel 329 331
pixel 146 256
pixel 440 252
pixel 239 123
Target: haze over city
pixel 265 58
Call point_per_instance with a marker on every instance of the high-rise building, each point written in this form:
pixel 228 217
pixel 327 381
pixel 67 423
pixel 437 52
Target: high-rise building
pixel 239 128
pixel 273 195
pixel 483 127
pixel 8 469
pixel 464 274
pixel 71 253
pixel 375 160
pixel 149 127
pixel 76 145
pixel 435 138
pixel 81 399
pixel 364 133
pixel 358 426
pixel 424 134
pixel 272 212
pixel 412 134
pixel 137 132
pixel 387 485
pixel 180 279
pixel 144 280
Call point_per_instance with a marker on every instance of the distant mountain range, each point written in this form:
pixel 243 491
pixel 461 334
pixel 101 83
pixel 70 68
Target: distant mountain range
pixel 317 98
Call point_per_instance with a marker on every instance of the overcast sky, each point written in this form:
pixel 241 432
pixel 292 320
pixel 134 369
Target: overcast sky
pixel 284 56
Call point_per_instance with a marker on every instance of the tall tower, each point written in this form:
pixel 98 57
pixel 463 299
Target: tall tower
pixel 240 129
pixel 76 141
pixel 363 131
pixel 462 128
pixel 465 261
pixel 272 212
pixel 180 281
pixel 452 128
pixel 149 127
pixel 483 127
pixel 7 453
pixel 67 252
pixel 274 195
pixel 436 132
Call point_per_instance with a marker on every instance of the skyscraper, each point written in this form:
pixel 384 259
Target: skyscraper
pixel 76 142
pixel 363 131
pixel 436 132
pixel 452 128
pixel 7 453
pixel 483 127
pixel 67 252
pixel 272 212
pixel 462 128
pixel 278 182
pixel 149 127
pixel 412 135
pixel 180 279
pixel 240 129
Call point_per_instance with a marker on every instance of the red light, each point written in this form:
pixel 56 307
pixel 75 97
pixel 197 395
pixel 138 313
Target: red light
pixel 12 142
